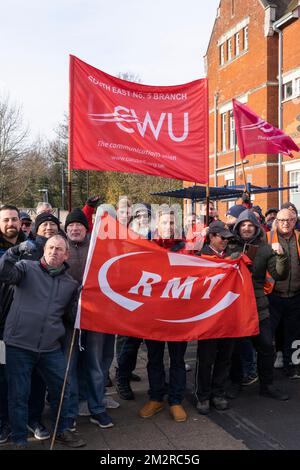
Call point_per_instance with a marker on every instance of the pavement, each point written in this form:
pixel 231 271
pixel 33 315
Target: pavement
pixel 252 422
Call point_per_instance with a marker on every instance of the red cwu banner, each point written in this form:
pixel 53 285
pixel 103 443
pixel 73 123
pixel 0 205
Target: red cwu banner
pixel 116 125
pixel 137 288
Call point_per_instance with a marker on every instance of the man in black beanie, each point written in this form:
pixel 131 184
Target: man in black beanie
pixel 98 347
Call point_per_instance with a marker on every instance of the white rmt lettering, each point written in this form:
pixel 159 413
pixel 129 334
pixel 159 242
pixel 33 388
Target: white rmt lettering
pixel 296 354
pixel 146 281
pixel 174 286
pixel 213 281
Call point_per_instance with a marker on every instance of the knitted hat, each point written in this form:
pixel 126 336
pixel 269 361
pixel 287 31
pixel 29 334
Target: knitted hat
pixel 236 210
pixel 77 216
pixel 44 217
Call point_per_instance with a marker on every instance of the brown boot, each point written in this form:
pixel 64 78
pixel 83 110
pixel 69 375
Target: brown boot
pixel 151 408
pixel 178 414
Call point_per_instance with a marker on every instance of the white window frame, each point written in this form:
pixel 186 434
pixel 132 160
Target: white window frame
pixel 246 38
pixel 224 131
pixel 231 130
pixel 297 86
pixel 294 178
pixel 230 183
pixel 237 44
pixel 222 54
pixel 229 49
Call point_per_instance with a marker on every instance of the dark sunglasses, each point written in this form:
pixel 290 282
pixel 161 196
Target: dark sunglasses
pixel 27 224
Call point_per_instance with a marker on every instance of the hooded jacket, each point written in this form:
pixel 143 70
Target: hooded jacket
pixel 264 260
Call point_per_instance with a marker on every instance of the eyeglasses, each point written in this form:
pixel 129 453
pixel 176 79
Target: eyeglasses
pixel 27 224
pixel 220 236
pixel 287 221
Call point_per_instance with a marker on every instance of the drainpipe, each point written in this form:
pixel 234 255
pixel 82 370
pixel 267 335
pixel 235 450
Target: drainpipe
pixel 280 114
pixel 277 28
pixel 216 138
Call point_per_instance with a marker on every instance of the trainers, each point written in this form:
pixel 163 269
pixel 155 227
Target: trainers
pixel 110 403
pixel 39 431
pixel 220 403
pixel 5 432
pixel 251 379
pixel 83 409
pixel 203 407
pixel 273 392
pixel 278 364
pixel 103 420
pixel 71 425
pixel 124 389
pixel 70 439
pixel 178 414
pixel 151 408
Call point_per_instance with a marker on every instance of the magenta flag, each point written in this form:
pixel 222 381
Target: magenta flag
pixel 254 135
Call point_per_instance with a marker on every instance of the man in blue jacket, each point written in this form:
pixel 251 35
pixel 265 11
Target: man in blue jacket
pixel 44 298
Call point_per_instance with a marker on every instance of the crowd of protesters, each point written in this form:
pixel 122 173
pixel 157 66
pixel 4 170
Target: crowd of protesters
pixel 41 272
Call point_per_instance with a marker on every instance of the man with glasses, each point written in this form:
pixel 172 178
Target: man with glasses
pixel 285 296
pixel 26 224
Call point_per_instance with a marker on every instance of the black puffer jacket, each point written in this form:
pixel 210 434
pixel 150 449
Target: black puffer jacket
pixel 265 260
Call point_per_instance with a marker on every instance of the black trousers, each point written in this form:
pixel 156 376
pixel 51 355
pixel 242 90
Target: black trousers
pixel 263 343
pixel 212 368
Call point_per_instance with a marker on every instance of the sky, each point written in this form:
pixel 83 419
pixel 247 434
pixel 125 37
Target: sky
pixel 162 41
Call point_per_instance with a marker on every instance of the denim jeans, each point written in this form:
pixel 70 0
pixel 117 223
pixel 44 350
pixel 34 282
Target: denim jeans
pixel 156 371
pixel 20 364
pixel 93 364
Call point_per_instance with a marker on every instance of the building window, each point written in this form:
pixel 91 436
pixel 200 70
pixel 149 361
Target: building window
pixel 223 127
pixel 222 54
pixel 295 193
pixel 229 49
pixel 246 41
pixel 237 44
pixel 231 131
pixel 288 90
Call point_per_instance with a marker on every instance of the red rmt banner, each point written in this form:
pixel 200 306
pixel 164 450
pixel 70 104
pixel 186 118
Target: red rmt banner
pixel 254 135
pixel 116 125
pixel 134 287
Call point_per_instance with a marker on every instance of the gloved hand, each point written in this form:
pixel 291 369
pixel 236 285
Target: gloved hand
pixel 27 247
pixel 93 201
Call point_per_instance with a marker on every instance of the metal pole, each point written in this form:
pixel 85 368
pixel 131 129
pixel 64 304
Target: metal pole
pixel 280 114
pixel 216 140
pixel 62 186
pixel 234 160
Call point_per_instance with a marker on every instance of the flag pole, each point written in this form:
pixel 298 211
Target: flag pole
pixel 70 142
pixel 207 205
pixel 244 174
pixel 63 389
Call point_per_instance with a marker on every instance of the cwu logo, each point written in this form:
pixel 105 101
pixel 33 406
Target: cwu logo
pixel 127 120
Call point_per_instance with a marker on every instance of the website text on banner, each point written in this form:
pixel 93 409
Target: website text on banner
pixel 116 125
pixel 134 287
pixel 254 135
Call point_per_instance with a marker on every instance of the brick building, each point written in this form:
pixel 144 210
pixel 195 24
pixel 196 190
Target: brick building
pixel 242 62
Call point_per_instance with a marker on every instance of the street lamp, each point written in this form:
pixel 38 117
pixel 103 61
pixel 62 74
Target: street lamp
pixel 62 183
pixel 45 194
